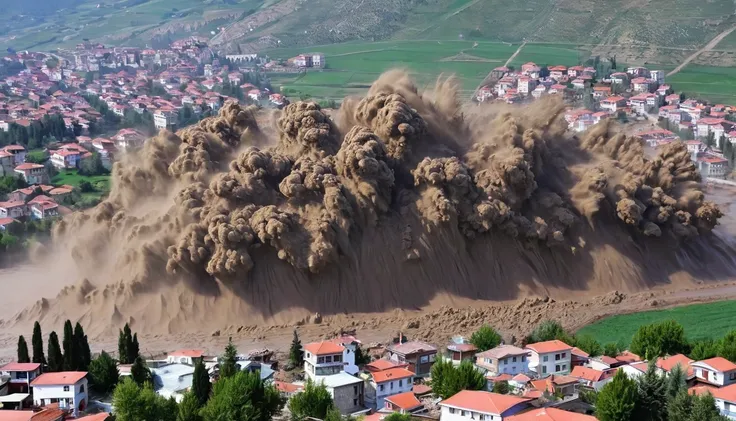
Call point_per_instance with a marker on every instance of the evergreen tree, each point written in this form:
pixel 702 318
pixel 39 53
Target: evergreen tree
pixel 659 339
pixel 243 396
pixel 447 379
pixel 55 358
pixel 128 349
pixel 229 366
pixel 705 409
pixel 617 400
pixel 651 404
pixel 103 373
pixel 680 407
pixel 189 408
pixel 135 350
pixel 296 354
pixel 37 343
pixel 676 381
pixel 314 401
pixel 135 403
pixel 361 358
pixel 485 338
pixel 703 349
pixel 201 383
pixel 140 372
pixel 81 349
pixel 501 387
pixel 70 356
pixel 727 346
pixel 123 347
pixel 23 350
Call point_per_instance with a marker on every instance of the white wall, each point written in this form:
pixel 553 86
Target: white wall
pixel 445 415
pixel 42 394
pixel 550 363
pixel 390 388
pixel 508 366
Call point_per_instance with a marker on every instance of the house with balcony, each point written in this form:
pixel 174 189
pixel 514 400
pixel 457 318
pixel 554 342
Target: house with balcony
pixel 32 173
pixel 324 359
pixel 419 355
pixel 550 357
pixel 717 371
pixel 503 359
pixel 21 375
pixel 385 383
pixel 479 405
pixel 67 388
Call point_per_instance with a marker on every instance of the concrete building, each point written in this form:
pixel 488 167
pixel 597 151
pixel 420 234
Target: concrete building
pixel 347 392
pixel 324 359
pixel 385 383
pixel 718 371
pixel 185 356
pixel 503 359
pixel 21 375
pixel 67 388
pixel 479 405
pixel 550 357
pixel 32 173
pixel 419 355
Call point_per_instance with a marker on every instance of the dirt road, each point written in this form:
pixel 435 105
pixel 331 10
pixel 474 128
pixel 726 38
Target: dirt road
pixel 516 53
pixel 709 46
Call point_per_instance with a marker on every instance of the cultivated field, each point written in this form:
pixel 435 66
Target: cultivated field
pixel 710 320
pixel 717 84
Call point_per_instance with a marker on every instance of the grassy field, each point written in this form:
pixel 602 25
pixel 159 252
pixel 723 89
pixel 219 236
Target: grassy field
pixel 701 321
pixel 717 84
pixel 101 183
pixel 352 67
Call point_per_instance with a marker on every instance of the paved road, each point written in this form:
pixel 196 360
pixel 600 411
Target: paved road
pixel 709 46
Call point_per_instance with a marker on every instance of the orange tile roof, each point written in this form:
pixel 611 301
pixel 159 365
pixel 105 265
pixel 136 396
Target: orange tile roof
pixel 588 374
pixel 193 353
pixel 28 166
pixel 382 364
pixel 550 414
pixel 406 401
pixel 54 414
pixel 15 415
pixel 102 416
pixel 521 378
pixel 287 387
pixel 579 352
pixel 718 363
pixel 549 346
pixel 533 394
pixel 324 348
pixel 20 366
pixel 421 389
pixel 60 378
pixel 669 363
pixel 727 393
pixel 500 378
pixel 485 402
pixel 391 374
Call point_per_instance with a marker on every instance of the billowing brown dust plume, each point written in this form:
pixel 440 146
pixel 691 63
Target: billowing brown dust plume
pixel 398 198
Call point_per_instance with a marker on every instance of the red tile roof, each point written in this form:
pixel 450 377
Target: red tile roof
pixel 462 347
pixel 727 393
pixel 382 364
pixel 718 363
pixel 502 351
pixel 102 416
pixel 391 374
pixel 53 414
pixel 579 352
pixel 549 346
pixel 500 378
pixel 521 378
pixel 15 415
pixel 406 401
pixel 324 348
pixel 485 402
pixel 28 166
pixel 20 366
pixel 60 378
pixel 288 387
pixel 669 363
pixel 550 414
pixel 590 374
pixel 421 389
pixel 193 353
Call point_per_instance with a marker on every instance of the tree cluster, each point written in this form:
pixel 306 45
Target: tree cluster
pixel 76 354
pixel 448 379
pixel 38 133
pixel 128 348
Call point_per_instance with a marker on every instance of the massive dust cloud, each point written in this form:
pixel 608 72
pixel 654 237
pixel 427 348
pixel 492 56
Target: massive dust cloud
pixel 393 199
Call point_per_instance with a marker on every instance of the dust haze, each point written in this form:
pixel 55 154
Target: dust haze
pixel 396 199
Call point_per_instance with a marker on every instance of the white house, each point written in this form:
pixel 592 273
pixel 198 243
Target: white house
pixel 635 370
pixel 64 159
pixel 718 371
pixel 384 383
pixel 503 359
pixel 21 375
pixel 667 364
pixel 594 379
pixel 185 356
pixel 67 388
pixel 725 398
pixel 613 103
pixel 550 357
pixel 479 405
pixel 323 359
pixel 351 344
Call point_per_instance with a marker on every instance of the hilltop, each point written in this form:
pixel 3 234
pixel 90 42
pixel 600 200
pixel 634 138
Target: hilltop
pixel 638 30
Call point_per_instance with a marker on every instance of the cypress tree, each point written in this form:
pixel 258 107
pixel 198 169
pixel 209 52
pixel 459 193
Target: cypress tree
pixel 123 347
pixel 23 350
pixel 229 366
pixel 81 349
pixel 134 348
pixel 296 354
pixel 37 342
pixel 56 361
pixel 680 407
pixel 70 357
pixel 140 372
pixel 201 383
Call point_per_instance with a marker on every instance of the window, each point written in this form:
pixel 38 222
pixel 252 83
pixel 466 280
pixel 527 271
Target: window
pixel 401 382
pixel 546 358
pixel 309 355
pixel 463 413
pixel 81 389
pixel 66 388
pixel 544 369
pixel 557 357
pixel 424 359
pixel 355 390
pixel 513 359
pixel 320 360
pixel 732 376
pixel 452 410
pixel 328 359
pixel 355 402
pixel 392 385
pixel 380 387
pixel 564 355
pixel 564 367
pixel 557 368
pixel 337 358
pixel 487 360
pixel 523 358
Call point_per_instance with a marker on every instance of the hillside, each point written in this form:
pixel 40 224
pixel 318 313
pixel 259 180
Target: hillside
pixel 631 27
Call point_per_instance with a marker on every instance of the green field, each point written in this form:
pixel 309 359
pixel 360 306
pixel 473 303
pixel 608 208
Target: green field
pixel 352 67
pixel 701 321
pixel 717 84
pixel 101 183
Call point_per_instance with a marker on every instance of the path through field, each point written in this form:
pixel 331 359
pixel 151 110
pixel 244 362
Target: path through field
pixel 516 53
pixel 709 46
